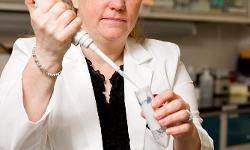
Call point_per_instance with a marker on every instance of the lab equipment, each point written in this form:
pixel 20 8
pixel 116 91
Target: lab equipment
pixel 145 96
pixel 206 85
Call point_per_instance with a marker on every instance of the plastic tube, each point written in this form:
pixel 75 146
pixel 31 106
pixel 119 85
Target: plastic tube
pixel 144 97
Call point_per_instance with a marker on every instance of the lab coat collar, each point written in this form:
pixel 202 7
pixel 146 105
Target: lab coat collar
pixel 137 52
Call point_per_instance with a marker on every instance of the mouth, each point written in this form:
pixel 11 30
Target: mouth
pixel 114 19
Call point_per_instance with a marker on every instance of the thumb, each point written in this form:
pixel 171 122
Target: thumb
pixel 30 5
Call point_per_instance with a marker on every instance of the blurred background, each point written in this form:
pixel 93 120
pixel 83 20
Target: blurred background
pixel 214 38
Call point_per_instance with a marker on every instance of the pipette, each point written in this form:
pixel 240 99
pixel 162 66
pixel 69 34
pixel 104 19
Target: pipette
pixel 82 38
pixel 143 94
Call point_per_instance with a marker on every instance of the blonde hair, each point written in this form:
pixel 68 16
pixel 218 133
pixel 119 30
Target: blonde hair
pixel 136 33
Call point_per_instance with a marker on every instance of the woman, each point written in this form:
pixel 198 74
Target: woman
pixel 58 96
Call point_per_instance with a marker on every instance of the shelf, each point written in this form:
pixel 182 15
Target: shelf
pixel 168 15
pixel 4 6
pixel 201 17
pixel 198 11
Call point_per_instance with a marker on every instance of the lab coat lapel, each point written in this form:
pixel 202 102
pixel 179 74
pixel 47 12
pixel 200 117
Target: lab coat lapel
pixel 78 79
pixel 135 60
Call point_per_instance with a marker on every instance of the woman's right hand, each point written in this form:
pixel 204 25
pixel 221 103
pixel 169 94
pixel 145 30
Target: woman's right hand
pixel 54 25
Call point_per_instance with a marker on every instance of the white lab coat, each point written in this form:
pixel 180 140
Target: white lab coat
pixel 71 120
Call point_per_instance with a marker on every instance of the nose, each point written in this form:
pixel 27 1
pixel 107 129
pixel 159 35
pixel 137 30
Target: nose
pixel 117 5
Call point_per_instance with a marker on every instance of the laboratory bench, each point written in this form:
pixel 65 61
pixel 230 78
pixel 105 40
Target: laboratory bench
pixel 228 125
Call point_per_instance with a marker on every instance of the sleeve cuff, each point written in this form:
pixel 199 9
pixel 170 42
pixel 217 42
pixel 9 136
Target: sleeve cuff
pixel 206 140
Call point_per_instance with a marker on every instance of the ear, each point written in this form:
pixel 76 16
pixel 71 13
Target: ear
pixel 75 3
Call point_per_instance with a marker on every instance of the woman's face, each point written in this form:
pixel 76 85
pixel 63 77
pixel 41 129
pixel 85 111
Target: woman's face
pixel 108 19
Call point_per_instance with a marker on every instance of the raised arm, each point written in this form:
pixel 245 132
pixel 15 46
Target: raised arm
pixel 54 25
pixel 25 91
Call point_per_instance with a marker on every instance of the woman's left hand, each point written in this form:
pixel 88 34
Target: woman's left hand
pixel 172 112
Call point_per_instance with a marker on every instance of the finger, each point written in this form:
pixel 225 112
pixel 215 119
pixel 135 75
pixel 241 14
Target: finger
pixel 72 28
pixel 30 4
pixel 66 18
pixel 46 5
pixel 175 118
pixel 57 10
pixel 182 129
pixel 163 98
pixel 169 108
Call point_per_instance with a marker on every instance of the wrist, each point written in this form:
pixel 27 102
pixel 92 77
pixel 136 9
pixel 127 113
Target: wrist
pixel 50 67
pixel 48 57
pixel 51 62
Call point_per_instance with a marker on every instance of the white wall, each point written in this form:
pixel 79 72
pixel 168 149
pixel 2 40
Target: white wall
pixel 206 44
pixel 215 46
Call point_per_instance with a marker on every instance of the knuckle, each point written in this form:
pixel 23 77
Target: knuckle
pixel 158 102
pixel 61 5
pixel 178 104
pixel 50 31
pixel 41 25
pixel 170 93
pixel 185 114
pixel 71 13
pixel 181 104
pixel 167 109
pixel 60 38
pixel 161 97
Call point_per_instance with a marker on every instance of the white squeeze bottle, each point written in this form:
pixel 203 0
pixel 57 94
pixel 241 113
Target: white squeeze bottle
pixel 206 87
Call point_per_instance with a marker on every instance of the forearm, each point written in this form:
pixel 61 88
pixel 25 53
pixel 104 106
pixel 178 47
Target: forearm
pixel 17 131
pixel 191 143
pixel 37 89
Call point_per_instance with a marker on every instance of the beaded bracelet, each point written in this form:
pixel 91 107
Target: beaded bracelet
pixel 47 73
